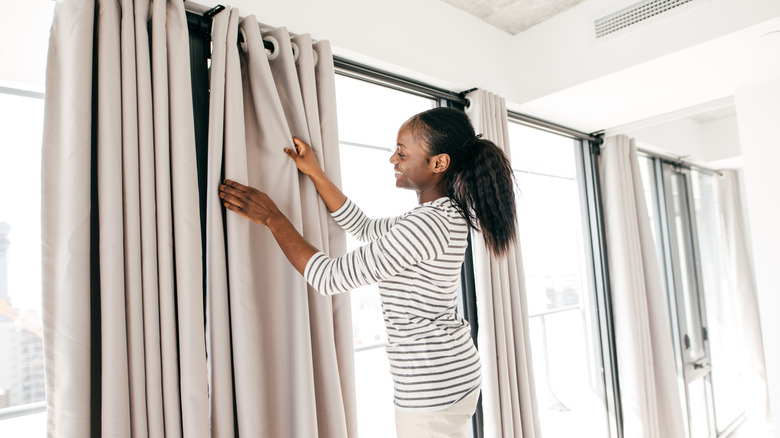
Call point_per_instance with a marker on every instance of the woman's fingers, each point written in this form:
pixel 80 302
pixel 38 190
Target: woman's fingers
pixel 235 185
pixel 232 196
pixel 247 201
pixel 300 145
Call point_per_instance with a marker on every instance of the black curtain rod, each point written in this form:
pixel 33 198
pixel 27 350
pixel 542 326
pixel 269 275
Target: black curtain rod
pixel 202 23
pixel 678 161
pixel 362 71
pixel 554 127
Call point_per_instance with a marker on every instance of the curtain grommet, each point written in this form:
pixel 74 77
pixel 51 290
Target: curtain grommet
pixel 272 54
pixel 243 42
pixel 295 51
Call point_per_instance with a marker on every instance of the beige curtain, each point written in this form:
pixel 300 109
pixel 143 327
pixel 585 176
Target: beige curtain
pixel 508 389
pixel 646 366
pixel 123 308
pixel 292 371
pixel 740 283
pixel 130 348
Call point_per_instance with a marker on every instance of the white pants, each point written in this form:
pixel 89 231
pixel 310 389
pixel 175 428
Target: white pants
pixel 451 422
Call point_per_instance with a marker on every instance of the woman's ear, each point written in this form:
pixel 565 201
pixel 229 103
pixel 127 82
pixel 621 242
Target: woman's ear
pixel 441 163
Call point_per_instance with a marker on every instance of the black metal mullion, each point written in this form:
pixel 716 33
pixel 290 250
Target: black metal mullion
pixel 589 152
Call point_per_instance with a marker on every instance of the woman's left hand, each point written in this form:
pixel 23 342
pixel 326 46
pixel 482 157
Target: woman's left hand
pixel 248 202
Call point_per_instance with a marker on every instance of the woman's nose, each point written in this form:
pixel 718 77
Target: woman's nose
pixel 392 157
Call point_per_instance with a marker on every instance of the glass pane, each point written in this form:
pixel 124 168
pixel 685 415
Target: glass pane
pixel 647 171
pixel 540 152
pixel 723 330
pixel 369 118
pixel 370 114
pixel 21 360
pixel 699 414
pixel 21 336
pixel 693 340
pixel 563 322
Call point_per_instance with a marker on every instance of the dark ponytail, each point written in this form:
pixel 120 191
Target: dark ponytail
pixel 480 178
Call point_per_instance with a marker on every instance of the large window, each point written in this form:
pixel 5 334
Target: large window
pixel 369 118
pixel 688 232
pixel 21 343
pixel 560 283
pixel 556 205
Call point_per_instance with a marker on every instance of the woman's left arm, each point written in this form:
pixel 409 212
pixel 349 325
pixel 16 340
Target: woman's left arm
pixel 259 207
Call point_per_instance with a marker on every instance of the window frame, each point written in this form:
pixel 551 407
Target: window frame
pixel 587 172
pixel 40 406
pixel 587 153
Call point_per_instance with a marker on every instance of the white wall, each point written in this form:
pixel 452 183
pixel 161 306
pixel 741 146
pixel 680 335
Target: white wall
pixel 710 143
pixel 656 67
pixel 680 138
pixel 758 112
pixel 426 39
pixel 570 56
pixel 720 140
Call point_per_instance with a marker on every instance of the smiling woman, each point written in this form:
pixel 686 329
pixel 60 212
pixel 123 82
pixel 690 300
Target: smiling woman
pixel 461 182
pixel 414 168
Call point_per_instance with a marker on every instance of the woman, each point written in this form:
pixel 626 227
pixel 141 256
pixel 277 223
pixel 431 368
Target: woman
pixel 462 182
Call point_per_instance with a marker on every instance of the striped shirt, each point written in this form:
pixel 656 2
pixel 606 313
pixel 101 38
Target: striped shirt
pixel 416 259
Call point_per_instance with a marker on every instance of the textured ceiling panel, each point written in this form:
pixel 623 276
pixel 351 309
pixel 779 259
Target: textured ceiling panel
pixel 513 16
pixel 480 8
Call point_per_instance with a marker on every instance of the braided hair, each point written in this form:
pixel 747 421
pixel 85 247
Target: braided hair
pixel 480 178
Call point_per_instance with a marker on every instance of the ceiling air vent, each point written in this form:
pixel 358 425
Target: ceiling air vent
pixel 634 14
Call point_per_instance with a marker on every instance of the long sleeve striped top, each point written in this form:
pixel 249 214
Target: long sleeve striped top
pixel 416 259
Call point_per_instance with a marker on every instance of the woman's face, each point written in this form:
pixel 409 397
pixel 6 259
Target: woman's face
pixel 414 169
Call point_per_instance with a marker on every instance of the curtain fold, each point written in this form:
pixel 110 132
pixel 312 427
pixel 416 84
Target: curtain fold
pixel 225 86
pixel 649 394
pixel 66 241
pixel 508 388
pixel 130 348
pixel 740 277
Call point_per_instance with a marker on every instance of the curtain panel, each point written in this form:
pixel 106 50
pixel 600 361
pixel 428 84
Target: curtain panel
pixel 647 373
pixel 741 284
pixel 134 343
pixel 508 388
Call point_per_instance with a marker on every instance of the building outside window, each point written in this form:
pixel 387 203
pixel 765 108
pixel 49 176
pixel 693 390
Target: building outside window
pixel 22 387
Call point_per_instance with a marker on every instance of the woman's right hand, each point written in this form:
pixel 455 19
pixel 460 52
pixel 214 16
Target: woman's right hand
pixel 304 158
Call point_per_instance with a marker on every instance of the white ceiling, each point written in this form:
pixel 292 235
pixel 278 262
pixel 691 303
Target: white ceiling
pixel 513 16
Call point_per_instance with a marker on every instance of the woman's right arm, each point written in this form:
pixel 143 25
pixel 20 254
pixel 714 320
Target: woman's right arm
pixel 345 213
pixel 307 163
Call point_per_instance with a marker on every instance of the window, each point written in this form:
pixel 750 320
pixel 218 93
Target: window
pixel 720 303
pixel 21 335
pixel 687 228
pixel 564 323
pixel 369 118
